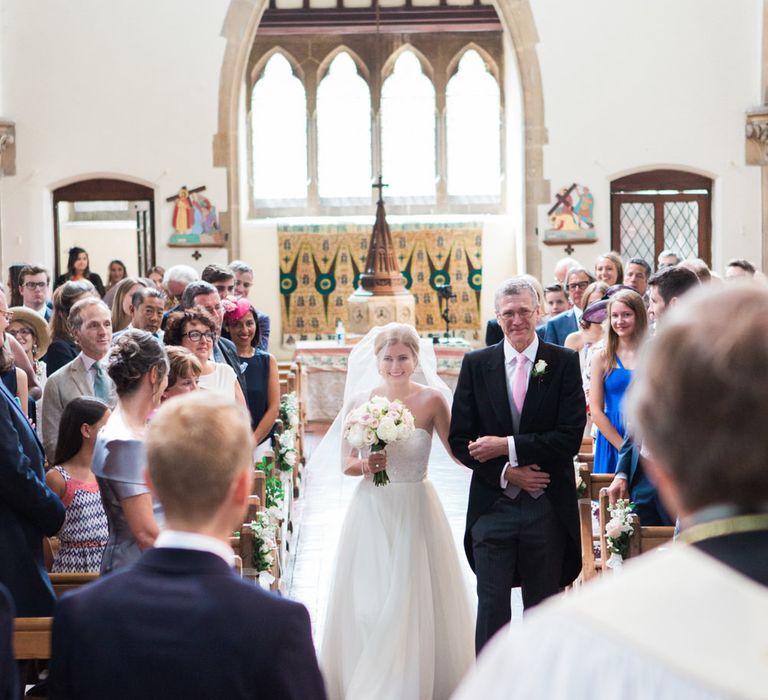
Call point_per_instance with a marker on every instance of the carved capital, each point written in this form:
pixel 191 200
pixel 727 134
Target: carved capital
pixel 756 132
pixel 7 147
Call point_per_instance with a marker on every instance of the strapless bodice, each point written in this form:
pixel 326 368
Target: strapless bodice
pixel 407 460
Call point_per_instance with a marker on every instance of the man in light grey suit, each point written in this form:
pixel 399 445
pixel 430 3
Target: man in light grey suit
pixel 90 322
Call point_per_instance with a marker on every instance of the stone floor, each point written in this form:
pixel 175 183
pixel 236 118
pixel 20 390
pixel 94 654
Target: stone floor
pixel 318 516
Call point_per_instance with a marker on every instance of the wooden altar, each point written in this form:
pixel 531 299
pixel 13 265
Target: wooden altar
pixel 326 365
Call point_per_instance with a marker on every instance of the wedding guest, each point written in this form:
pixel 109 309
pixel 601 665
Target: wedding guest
pixel 121 302
pixel 493 331
pixel 14 378
pixel 195 330
pixel 666 287
pixel 555 301
pixel 156 274
pixel 205 295
pixel 14 281
pixel 85 376
pixel 243 282
pixel 738 267
pixel 32 333
pixel 184 371
pixel 612 368
pixel 78 270
pixel 34 283
pixel 589 335
pixel 115 273
pixel 146 310
pixel 181 623
pixel 63 348
pixel 29 511
pixel 221 278
pixel 668 258
pixel 557 329
pixel 700 406
pixel 636 275
pixel 561 269
pixel 609 268
pixel 699 267
pixel 84 533
pixel 175 281
pixel 139 369
pixel 9 673
pixel 261 373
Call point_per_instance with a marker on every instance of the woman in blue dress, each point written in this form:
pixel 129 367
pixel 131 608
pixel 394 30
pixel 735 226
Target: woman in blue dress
pixel 612 368
pixel 262 380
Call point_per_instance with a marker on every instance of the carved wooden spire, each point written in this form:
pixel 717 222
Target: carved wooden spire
pixel 382 275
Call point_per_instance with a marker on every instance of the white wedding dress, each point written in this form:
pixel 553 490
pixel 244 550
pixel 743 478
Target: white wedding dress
pixel 398 623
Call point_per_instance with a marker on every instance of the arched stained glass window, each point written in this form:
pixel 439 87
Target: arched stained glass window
pixel 344 131
pixel 279 133
pixel 473 129
pixel 408 130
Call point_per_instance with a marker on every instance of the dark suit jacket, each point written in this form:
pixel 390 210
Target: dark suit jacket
pixel 9 673
pixel 92 276
pixel 494 334
pixel 559 327
pixel 225 350
pixel 263 323
pixel 29 510
pixel 60 353
pixel 642 492
pixel 741 551
pixel 181 624
pixel 551 425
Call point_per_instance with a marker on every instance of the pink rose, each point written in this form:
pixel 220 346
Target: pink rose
pixel 613 529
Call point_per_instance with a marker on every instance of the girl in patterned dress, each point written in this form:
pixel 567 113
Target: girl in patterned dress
pixel 84 533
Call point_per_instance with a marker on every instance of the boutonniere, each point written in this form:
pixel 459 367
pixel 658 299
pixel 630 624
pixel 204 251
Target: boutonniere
pixel 539 369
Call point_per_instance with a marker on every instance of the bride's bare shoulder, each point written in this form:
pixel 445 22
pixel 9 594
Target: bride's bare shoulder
pixel 428 394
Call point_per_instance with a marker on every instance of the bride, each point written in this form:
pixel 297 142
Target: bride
pixel 398 622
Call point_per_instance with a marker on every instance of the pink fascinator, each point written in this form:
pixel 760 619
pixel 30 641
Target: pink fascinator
pixel 235 309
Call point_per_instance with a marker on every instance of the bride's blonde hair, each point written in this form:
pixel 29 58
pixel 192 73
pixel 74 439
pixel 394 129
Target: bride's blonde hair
pixel 398 333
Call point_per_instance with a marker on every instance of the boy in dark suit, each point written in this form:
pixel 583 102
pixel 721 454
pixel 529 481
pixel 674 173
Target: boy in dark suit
pixel 181 623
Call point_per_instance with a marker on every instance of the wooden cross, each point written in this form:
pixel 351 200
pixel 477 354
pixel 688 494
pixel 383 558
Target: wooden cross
pixel 379 185
pixel 192 191
pixel 560 199
pixel 197 255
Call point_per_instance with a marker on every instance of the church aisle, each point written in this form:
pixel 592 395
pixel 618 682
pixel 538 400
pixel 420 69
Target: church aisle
pixel 319 515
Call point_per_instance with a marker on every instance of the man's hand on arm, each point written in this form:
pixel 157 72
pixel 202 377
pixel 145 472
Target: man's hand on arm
pixel 488 447
pixel 529 478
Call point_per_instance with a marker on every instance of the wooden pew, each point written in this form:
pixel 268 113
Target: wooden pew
pixel 32 638
pixel 591 565
pixel 260 486
pixel 69 582
pixel 647 537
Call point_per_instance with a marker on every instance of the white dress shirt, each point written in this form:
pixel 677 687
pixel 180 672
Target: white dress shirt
pixel 178 539
pixel 510 364
pixel 90 368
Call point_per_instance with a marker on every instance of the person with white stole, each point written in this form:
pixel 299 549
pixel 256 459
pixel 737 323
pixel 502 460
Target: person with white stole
pixel 688 620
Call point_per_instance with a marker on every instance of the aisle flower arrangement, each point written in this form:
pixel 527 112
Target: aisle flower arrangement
pixel 286 454
pixel 618 530
pixel 264 547
pixel 275 491
pixel 376 424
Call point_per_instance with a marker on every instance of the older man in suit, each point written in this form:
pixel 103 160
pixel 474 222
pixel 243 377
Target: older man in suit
pixel 180 623
pixel 518 417
pixel 90 321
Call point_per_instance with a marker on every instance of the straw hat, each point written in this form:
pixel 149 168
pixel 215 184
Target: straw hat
pixel 38 324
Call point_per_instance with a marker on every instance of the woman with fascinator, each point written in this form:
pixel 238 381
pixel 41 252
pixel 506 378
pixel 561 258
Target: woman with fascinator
pixel 260 368
pixel 398 622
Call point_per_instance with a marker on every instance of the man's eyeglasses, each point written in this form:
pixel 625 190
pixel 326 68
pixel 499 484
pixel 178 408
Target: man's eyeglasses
pixel 196 336
pixel 523 314
pixel 577 285
pixel 35 285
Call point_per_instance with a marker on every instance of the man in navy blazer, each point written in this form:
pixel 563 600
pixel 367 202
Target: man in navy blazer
pixel 180 623
pixel 562 325
pixel 29 511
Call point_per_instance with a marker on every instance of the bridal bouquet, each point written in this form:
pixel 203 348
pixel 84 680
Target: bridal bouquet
pixel 618 530
pixel 375 425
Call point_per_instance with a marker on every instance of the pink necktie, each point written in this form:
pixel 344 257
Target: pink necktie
pixel 520 383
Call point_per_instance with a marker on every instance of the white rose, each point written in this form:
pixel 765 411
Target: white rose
pixel 387 430
pixel 293 419
pixel 369 437
pixel 540 366
pixel 613 529
pixel 356 436
pixel 403 431
pixel 286 440
pixel 290 457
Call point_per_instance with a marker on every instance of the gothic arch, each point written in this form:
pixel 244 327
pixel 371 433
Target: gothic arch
pixel 325 64
pixel 287 55
pixel 389 65
pixel 240 26
pixel 453 64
